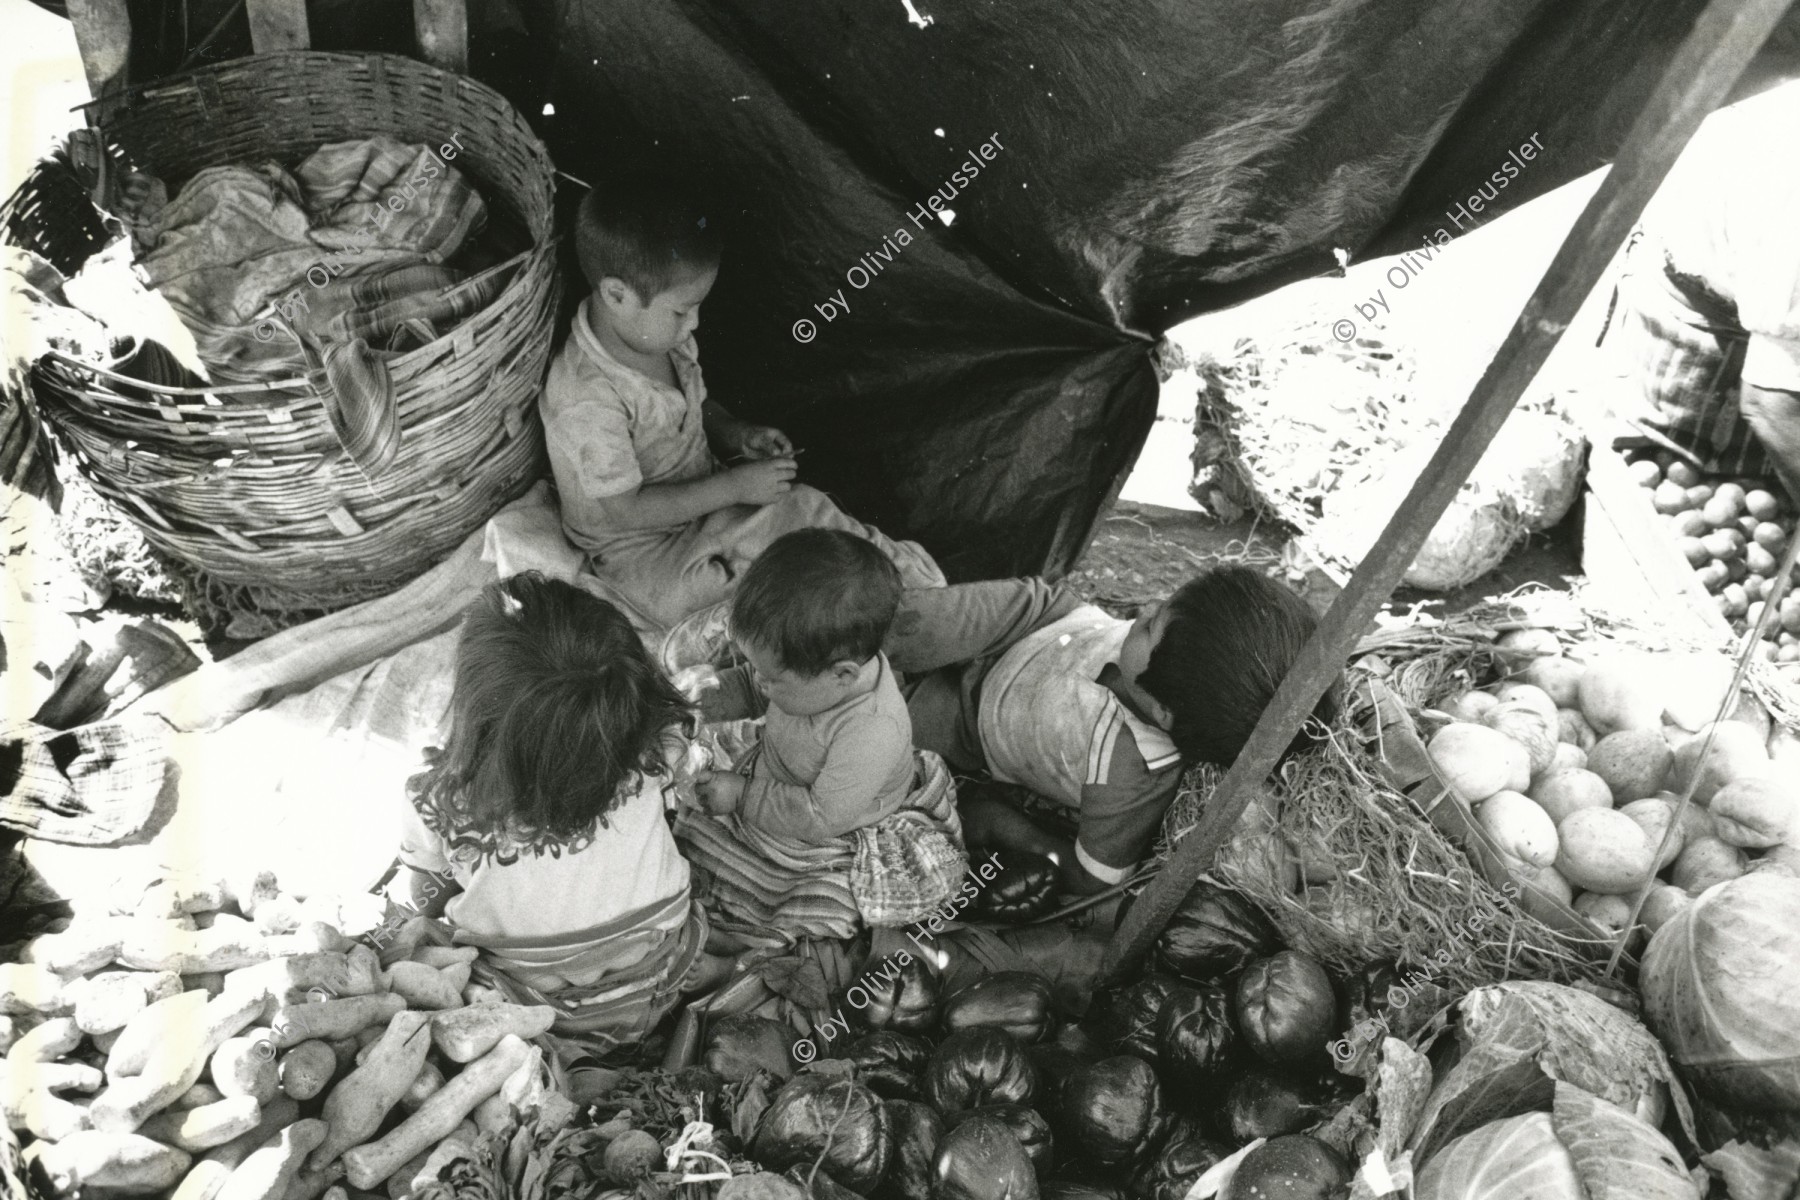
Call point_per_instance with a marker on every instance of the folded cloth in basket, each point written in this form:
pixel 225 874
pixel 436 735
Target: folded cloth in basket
pixel 324 273
pixel 886 875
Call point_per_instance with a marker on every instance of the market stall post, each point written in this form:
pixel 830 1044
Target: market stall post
pixel 1725 37
pixel 278 25
pixel 103 35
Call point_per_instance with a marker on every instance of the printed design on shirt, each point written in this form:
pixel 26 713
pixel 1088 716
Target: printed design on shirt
pixel 1157 748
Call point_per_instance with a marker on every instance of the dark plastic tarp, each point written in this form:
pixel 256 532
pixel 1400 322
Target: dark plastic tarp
pixel 1155 160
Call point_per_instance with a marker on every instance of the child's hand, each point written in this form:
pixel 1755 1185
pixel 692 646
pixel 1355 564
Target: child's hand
pixel 763 441
pixel 764 481
pixel 719 791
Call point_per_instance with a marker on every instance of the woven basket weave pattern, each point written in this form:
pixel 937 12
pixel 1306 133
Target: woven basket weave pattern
pixel 251 487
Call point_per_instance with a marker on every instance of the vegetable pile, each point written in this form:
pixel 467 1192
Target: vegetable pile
pixel 1575 770
pixel 212 1043
pixel 1732 533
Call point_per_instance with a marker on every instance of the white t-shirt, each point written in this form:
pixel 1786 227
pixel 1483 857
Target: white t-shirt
pixel 631 864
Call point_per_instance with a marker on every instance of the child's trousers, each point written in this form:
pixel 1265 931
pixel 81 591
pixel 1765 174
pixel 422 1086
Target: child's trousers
pixel 698 565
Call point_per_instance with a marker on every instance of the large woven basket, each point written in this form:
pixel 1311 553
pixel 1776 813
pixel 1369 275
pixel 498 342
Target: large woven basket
pixel 248 485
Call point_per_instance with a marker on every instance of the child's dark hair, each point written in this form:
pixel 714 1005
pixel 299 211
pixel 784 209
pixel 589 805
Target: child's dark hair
pixel 646 231
pixel 817 597
pixel 1229 638
pixel 556 707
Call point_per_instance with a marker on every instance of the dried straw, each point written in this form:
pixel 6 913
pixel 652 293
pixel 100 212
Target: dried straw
pixel 1397 889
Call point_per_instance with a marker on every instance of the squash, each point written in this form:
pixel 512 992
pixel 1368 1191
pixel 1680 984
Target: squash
pixel 127 1162
pixel 153 1028
pixel 296 1023
pixel 48 1042
pixel 356 1106
pixel 1635 763
pixel 367 1165
pixel 29 988
pixel 209 1175
pixel 245 1066
pixel 1603 850
pixel 1521 828
pixel 1478 761
pixel 175 1066
pixel 465 1034
pixel 1756 813
pixel 204 1127
pixel 423 986
pixel 266 1174
pixel 1738 752
pixel 305 1070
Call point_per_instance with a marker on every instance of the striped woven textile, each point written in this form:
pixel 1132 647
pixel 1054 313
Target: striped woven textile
pixel 623 1006
pixel 904 866
pixel 1685 348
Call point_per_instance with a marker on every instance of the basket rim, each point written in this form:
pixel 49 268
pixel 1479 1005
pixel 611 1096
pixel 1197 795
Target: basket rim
pixel 173 83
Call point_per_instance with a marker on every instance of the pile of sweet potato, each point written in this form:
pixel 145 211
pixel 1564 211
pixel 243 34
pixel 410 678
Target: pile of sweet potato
pixel 225 1044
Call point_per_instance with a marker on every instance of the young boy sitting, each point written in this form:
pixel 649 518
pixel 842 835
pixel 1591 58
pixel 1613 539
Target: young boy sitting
pixel 835 777
pixel 1096 714
pixel 632 436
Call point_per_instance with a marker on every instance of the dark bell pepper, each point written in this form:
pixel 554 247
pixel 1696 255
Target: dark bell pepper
pixel 982 1160
pixel 1027 1124
pixel 889 1063
pixel 838 1119
pixel 1024 890
pixel 979 1066
pixel 905 1001
pixel 1287 1009
pixel 1016 1001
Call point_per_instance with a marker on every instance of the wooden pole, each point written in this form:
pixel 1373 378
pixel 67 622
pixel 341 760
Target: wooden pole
pixel 1725 37
pixel 442 28
pixel 278 25
pixel 103 35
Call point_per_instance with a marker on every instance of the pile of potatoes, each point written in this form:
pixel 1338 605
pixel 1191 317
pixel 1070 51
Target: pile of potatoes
pixel 1732 532
pixel 224 1044
pixel 1576 770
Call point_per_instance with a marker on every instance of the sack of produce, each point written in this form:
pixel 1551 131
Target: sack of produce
pixel 1294 1167
pixel 1111 1112
pixel 979 1066
pixel 838 1119
pixel 1721 985
pixel 1265 1103
pixel 889 1063
pixel 1474 535
pixel 1027 1124
pixel 1186 1154
pixel 1024 890
pixel 1583 1149
pixel 982 1160
pixel 1016 1001
pixel 1215 933
pixel 906 1001
pixel 1196 1043
pixel 1126 1016
pixel 917 1132
pixel 1535 459
pixel 1286 1008
pixel 738 1047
